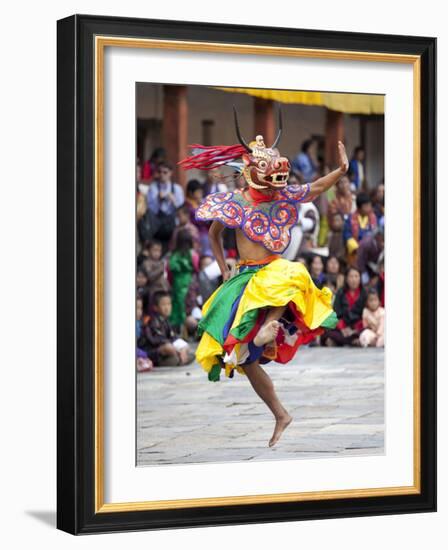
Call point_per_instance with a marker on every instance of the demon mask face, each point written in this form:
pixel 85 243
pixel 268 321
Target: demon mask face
pixel 264 167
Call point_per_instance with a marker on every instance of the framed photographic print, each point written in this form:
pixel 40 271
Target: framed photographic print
pixel 228 349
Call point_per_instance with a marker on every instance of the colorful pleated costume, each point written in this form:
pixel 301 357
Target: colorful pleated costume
pixel 235 311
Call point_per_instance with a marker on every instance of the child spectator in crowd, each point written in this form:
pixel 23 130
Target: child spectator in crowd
pixel 183 266
pixel 372 321
pixel 159 338
pixel 154 267
pixel 348 305
pixel 184 222
pixel 359 224
pixel 316 269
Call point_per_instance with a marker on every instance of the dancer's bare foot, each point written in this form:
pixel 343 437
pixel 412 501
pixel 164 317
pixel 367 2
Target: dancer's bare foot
pixel 267 333
pixel 280 426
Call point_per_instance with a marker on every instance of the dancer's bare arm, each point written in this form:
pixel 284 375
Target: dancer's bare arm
pixel 215 236
pixel 325 182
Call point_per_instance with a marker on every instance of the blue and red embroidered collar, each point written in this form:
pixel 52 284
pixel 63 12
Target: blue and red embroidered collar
pixel 265 219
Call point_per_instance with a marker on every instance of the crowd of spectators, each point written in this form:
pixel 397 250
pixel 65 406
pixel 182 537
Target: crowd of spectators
pixel 340 238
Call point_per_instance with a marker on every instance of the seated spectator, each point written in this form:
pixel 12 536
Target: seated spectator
pixel 183 266
pixel 316 269
pixel 372 321
pixel 335 279
pixel 159 336
pixel 336 245
pixel 370 251
pixel 359 224
pixel 154 266
pixel 163 198
pixel 184 222
pixel 348 305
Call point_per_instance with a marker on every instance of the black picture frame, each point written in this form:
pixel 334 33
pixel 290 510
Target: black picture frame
pixel 76 270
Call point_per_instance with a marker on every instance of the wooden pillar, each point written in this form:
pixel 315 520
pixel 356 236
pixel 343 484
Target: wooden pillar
pixel 264 122
pixel 175 128
pixel 334 131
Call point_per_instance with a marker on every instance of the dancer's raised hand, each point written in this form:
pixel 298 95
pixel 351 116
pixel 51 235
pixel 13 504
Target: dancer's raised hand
pixel 343 160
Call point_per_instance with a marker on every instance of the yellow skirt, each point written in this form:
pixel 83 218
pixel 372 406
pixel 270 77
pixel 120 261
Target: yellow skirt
pixel 234 313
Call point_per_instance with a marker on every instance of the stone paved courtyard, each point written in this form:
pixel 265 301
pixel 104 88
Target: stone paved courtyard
pixel 336 397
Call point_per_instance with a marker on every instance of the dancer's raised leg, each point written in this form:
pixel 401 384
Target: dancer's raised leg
pixel 264 387
pixel 269 329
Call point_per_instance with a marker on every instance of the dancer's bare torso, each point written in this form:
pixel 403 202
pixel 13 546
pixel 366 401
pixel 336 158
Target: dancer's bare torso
pixel 249 250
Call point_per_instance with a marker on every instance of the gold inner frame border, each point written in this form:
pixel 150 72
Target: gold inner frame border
pixel 101 42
